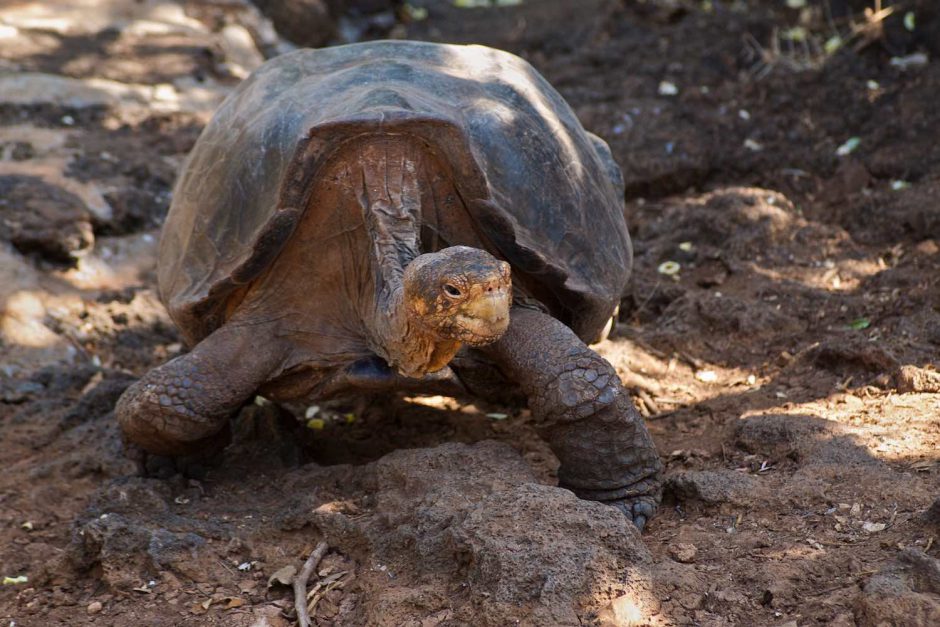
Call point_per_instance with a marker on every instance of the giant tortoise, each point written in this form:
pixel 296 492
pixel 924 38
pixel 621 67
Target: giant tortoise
pixel 399 216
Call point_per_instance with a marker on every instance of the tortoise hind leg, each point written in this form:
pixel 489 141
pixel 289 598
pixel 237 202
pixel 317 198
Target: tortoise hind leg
pixel 183 406
pixel 605 451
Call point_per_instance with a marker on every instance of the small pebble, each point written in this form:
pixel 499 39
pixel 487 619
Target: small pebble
pixel 871 527
pixel 94 607
pixel 684 553
pixel 667 88
pixel 706 376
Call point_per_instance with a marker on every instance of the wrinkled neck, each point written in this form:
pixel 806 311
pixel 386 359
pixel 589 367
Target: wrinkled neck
pixel 390 198
pixel 410 348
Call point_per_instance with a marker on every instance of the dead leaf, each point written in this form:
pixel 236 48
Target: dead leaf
pixel 923 465
pixel 284 576
pixel 234 602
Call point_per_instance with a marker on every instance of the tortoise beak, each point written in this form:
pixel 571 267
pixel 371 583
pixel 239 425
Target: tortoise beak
pixel 490 307
pixel 491 312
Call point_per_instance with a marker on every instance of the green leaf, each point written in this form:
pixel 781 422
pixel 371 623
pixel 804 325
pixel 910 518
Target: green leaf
pixel 849 146
pixel 832 44
pixel 860 323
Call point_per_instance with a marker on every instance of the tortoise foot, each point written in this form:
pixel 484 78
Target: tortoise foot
pixel 609 457
pixel 637 501
pixel 586 416
pixel 192 466
pixel 182 407
pixel 638 510
pixel 173 409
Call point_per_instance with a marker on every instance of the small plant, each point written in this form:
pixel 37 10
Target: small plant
pixel 816 38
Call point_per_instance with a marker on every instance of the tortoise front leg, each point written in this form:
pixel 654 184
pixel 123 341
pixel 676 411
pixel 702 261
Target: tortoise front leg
pixel 183 406
pixel 586 416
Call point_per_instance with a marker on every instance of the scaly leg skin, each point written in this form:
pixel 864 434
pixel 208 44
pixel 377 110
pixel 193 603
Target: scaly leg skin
pixel 182 407
pixel 577 399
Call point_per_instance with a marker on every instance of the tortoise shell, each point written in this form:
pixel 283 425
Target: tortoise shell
pixel 545 195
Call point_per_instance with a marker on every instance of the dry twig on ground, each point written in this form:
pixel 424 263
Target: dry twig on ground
pixel 300 584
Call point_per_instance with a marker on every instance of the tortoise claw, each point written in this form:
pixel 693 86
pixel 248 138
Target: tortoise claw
pixel 194 466
pixel 638 511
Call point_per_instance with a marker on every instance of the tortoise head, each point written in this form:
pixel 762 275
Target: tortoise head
pixel 459 293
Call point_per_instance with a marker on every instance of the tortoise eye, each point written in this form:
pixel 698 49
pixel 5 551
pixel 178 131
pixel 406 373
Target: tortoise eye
pixel 451 290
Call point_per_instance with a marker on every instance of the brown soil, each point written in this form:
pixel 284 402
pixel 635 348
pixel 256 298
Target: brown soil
pixel 788 371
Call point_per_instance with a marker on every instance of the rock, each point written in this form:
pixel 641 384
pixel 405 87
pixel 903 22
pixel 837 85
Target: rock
pixel 30 88
pixel 538 543
pixel 38 217
pixel 925 570
pixel 178 553
pixel 932 515
pixel 903 593
pixel 778 435
pixel 852 356
pixel 130 495
pixel 125 533
pixel 69 18
pixel 686 583
pixel 28 343
pixel 135 101
pixel 94 607
pixel 914 379
pixel 241 55
pixel 97 401
pixel 850 178
pixel 308 23
pixel 713 487
pixel 420 493
pixel 118 545
pixel 472 518
pixel 729 223
pixel 56 171
pixel 807 439
pixel 129 553
pixel 622 612
pixel 684 553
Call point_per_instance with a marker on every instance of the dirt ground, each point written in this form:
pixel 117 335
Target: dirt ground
pixel 781 336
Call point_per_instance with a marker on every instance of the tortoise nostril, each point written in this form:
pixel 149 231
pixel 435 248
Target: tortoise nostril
pixel 489 289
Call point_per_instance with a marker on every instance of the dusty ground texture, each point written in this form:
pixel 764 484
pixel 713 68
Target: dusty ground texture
pixel 788 369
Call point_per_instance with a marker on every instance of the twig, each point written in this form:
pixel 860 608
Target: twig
pixel 648 401
pixel 300 584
